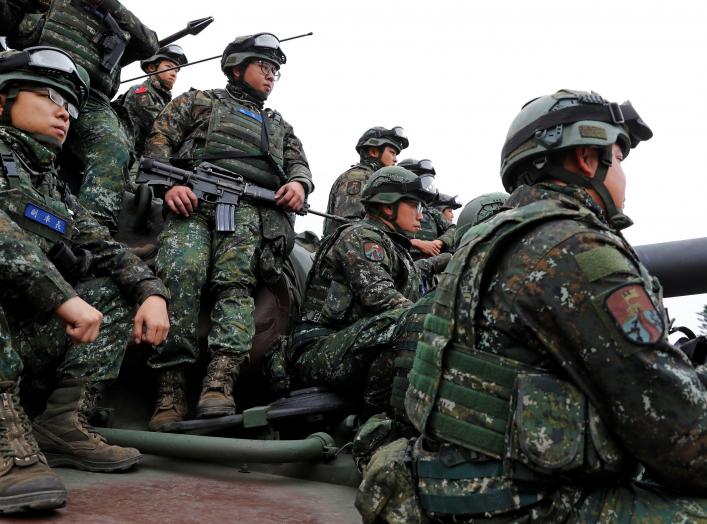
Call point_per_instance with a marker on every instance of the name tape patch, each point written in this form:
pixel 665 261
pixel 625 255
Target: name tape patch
pixel 250 113
pixel 45 218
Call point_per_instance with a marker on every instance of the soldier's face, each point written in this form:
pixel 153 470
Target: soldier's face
pixel 167 78
pixel 616 178
pixel 448 214
pixel 409 216
pixel 258 79
pixel 34 112
pixel 387 157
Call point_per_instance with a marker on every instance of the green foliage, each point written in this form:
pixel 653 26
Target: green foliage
pixel 702 316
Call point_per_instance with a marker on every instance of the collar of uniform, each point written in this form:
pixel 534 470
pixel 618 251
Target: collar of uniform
pixel 573 195
pixel 33 152
pixel 370 163
pixel 242 96
pixel 398 238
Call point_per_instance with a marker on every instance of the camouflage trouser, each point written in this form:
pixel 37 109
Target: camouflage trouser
pixel 357 358
pixel 191 256
pixel 33 346
pixel 99 141
pixel 390 493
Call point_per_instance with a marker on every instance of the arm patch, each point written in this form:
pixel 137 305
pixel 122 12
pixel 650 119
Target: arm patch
pixel 602 262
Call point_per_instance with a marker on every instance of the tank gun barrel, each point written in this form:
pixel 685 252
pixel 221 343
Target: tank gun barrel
pixel 681 266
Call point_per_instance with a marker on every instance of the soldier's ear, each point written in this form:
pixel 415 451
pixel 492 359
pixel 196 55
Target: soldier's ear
pixel 3 99
pixel 387 211
pixel 236 72
pixel 586 160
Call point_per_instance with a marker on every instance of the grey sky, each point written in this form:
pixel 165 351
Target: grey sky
pixel 455 73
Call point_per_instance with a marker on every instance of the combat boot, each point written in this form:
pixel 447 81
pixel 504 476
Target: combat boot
pixel 26 481
pixel 67 439
pixel 216 398
pixel 171 398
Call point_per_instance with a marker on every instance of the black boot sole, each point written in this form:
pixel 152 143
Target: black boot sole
pixel 44 500
pixel 58 460
pixel 214 412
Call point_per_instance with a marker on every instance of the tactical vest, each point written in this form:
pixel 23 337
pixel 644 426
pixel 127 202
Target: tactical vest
pixel 246 141
pixel 79 30
pixel 535 425
pixel 411 331
pixel 39 214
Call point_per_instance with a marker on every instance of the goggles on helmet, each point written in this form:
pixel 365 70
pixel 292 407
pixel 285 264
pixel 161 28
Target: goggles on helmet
pixel 173 48
pixel 47 59
pixel 590 108
pixel 423 188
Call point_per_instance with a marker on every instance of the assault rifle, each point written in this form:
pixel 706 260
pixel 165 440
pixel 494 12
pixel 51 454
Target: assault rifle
pixel 216 185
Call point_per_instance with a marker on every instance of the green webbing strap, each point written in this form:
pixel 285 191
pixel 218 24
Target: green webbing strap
pixel 436 469
pixel 467 435
pixel 475 503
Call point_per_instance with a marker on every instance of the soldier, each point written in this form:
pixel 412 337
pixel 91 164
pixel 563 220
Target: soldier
pixel 545 376
pixel 143 102
pixel 446 204
pixel 230 128
pixel 101 36
pixel 378 147
pixel 436 234
pixel 50 251
pixel 362 281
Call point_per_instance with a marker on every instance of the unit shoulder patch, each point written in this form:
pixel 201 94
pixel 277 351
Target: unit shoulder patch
pixel 353 187
pixel 635 314
pixel 140 90
pixel 373 251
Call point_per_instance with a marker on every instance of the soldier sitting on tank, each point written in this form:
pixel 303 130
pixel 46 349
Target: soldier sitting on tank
pixel 386 427
pixel 378 147
pixel 102 36
pixel 544 379
pixel 143 102
pixel 63 280
pixel 436 234
pixel 362 281
pixel 230 128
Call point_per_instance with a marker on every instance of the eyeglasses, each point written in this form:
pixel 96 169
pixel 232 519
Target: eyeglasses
pixel 57 98
pixel 268 68
pixel 418 205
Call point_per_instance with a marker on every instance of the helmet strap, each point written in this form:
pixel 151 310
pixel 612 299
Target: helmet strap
pixel 7 107
pixel 614 216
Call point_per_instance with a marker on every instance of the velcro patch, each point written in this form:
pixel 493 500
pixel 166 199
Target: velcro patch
pixel 635 315
pixel 353 187
pixel 140 90
pixel 592 132
pixel 602 262
pixel 373 251
pixel 252 114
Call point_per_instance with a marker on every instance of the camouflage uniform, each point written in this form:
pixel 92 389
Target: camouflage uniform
pixel 434 227
pixel 34 288
pixel 191 253
pixel 362 282
pixel 143 103
pixel 97 139
pixel 345 193
pixel 558 379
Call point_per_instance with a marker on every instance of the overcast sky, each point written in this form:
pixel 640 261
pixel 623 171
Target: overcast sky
pixel 455 73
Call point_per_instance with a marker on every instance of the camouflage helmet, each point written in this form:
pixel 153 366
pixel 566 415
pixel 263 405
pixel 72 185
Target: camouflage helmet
pixel 445 201
pixel 46 66
pixel 265 46
pixel 171 52
pixel 380 137
pixel 390 184
pixel 564 120
pixel 419 167
pixel 477 210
